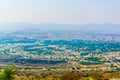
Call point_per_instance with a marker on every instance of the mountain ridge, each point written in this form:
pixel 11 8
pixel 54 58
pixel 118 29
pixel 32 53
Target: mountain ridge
pixel 104 28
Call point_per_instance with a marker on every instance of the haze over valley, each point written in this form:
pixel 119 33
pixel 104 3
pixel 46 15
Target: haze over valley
pixel 59 40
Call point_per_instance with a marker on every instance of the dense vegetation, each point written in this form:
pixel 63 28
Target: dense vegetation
pixel 8 73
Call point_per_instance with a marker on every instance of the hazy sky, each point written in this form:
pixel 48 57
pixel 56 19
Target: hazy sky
pixel 60 11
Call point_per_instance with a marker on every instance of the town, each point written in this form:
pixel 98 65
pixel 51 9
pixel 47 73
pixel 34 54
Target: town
pixel 83 52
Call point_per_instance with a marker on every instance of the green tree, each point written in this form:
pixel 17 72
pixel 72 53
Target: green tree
pixel 8 73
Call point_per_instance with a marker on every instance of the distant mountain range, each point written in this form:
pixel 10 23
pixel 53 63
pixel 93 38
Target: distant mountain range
pixel 102 28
